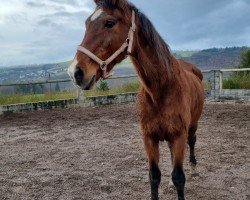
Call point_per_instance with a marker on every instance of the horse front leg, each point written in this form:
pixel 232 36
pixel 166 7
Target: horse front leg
pixel 152 150
pixel 178 145
pixel 171 186
pixel 191 143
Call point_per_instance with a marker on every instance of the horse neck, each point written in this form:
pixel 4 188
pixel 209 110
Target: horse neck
pixel 157 73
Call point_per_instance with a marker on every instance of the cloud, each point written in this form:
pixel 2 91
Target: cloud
pixel 68 2
pixel 45 31
pixel 36 32
pixel 35 4
pixel 195 24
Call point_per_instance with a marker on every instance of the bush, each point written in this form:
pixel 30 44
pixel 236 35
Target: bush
pixel 238 80
pixel 207 85
pixel 131 87
pixel 245 58
pixel 103 86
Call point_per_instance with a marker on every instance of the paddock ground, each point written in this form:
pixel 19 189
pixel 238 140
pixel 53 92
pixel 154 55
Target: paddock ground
pixel 97 153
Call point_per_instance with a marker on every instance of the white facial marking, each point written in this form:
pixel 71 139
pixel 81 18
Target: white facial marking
pixel 96 14
pixel 72 68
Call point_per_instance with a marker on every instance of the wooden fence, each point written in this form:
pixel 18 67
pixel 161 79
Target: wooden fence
pixel 214 77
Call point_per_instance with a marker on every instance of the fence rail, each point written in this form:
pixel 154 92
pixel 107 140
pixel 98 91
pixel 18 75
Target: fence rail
pixel 60 81
pixel 235 70
pixel 111 78
pixel 36 83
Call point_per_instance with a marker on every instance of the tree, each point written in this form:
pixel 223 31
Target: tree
pixel 245 58
pixel 244 62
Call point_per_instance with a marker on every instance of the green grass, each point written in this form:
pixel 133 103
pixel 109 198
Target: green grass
pixel 238 80
pixel 131 87
pixel 33 98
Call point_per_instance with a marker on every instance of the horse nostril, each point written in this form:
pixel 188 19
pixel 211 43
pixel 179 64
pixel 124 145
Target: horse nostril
pixel 79 75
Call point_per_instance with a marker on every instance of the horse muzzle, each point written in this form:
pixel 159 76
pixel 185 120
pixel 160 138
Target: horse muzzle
pixel 77 75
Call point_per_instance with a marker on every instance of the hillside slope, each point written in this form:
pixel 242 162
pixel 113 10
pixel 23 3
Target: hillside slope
pixel 215 58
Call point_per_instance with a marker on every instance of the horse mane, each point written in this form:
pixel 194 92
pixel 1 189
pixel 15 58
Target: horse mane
pixel 155 41
pixel 153 38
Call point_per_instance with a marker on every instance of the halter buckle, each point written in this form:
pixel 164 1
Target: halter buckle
pixel 127 40
pixel 103 66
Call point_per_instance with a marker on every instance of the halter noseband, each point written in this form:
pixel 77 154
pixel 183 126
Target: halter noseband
pixel 127 44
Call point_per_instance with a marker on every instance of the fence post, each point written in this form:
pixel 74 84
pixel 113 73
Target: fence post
pixel 80 95
pixel 216 82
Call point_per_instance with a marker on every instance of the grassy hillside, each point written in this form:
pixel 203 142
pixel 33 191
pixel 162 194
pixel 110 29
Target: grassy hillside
pixel 216 58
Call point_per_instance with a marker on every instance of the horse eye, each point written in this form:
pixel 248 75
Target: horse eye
pixel 109 24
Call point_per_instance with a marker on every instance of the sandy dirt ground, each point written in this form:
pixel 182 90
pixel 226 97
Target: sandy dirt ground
pixel 97 153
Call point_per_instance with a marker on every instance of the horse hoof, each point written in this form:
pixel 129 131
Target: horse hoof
pixel 195 176
pixel 171 187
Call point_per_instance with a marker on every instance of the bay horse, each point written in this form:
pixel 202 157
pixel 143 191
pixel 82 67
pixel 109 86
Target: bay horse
pixel 171 97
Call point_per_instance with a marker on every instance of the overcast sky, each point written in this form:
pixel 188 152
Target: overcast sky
pixel 48 31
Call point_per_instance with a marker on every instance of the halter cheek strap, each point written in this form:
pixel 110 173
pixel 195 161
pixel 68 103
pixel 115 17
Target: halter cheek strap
pixel 127 44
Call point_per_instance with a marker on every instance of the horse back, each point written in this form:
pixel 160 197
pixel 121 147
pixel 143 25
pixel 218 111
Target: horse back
pixel 191 68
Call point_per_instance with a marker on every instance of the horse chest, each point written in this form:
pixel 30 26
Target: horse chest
pixel 160 124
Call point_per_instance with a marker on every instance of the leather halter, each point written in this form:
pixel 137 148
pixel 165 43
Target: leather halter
pixel 127 44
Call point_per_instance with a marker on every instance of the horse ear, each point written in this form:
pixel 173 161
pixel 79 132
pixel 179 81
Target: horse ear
pixel 97 2
pixel 114 3
pixel 111 2
pixel 118 3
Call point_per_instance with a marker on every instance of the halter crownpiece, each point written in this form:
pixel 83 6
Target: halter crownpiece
pixel 127 44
